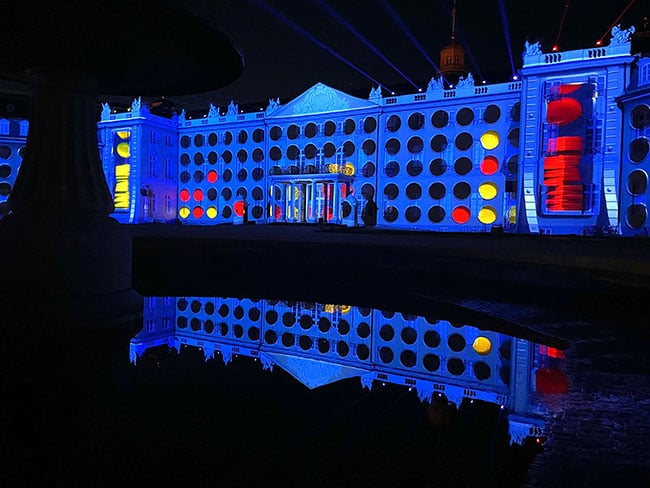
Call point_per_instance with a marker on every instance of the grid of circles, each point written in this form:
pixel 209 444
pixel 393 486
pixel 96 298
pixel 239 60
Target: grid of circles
pixel 225 319
pixel 219 168
pixel 324 331
pixel 456 179
pixel 428 346
pixel 634 180
pixel 11 155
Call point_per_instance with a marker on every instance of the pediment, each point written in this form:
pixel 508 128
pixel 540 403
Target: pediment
pixel 321 98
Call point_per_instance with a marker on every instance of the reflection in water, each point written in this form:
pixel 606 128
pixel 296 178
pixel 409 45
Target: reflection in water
pixel 319 344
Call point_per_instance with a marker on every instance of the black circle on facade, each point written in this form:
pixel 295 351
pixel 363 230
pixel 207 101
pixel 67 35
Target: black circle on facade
pixel 391 169
pixel 409 335
pixel 227 137
pixel 257 193
pixel 393 123
pixel 258 135
pixel 223 328
pixel 349 126
pixel 305 342
pixel 363 330
pixel 415 145
pixel 515 112
pixel 347 209
pixel 456 342
pixel 368 169
pixel 226 193
pixel 242 136
pixel 185 176
pixel 226 156
pixel 491 114
pixel 637 215
pixel 292 152
pixel 242 155
pixel 386 354
pixel 462 190
pixel 212 194
pixel 293 131
pixel 212 139
pixel 195 324
pixel 432 338
pixel 185 159
pixel 181 322
pixel 391 191
pixel 343 327
pixel 209 308
pixel 311 130
pixel 640 117
pixel 439 143
pixel 464 141
pixel 342 349
pixel 637 182
pixel 455 366
pixel 463 165
pixel 368 191
pixel 238 331
pixel 208 326
pixel 330 128
pixel 257 212
pixel 185 142
pixel 440 119
pixel 238 312
pixel 212 157
pixel 253 333
pixel 513 137
pixel 639 149
pixel 288 319
pixel 412 214
pixel 414 167
pixel 275 153
pixel 271 317
pixel 481 370
pixel 431 362
pixel 275 133
pixel 369 124
pixel 363 352
pixel 198 159
pixel 227 175
pixel 465 116
pixel 437 190
pixel 242 192
pixel 416 121
pixel 5 171
pixel 348 148
pixel 195 306
pixel 408 358
pixel 254 314
pixel 391 213
pixel 288 339
pixel 324 324
pixel 323 345
pixel 369 147
pixel 329 149
pixel 306 321
pixel 413 191
pixel 386 332
pixel 258 155
pixel 392 146
pixel 227 212
pixel 436 214
pixel 182 304
pixel 438 167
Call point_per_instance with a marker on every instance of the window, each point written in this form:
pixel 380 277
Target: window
pixel 153 166
pixel 168 168
pixel 644 75
pixel 153 137
pixel 166 323
pixel 168 209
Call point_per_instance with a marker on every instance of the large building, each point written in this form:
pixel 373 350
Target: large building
pixel 560 150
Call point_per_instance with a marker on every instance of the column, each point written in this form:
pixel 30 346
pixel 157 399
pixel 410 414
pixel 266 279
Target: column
pixel 314 210
pixel 335 202
pixel 292 215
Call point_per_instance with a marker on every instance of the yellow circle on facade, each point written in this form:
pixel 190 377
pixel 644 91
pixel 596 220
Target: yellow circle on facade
pixel 490 140
pixel 184 212
pixel 345 309
pixel 487 215
pixel 488 190
pixel 349 169
pixel 211 212
pixel 482 345
pixel 123 134
pixel 124 150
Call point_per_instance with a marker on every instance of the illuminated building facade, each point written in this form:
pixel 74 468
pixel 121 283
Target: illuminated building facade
pixel 319 344
pixel 553 152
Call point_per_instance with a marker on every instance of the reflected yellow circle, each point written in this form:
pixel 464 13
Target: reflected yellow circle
pixel 487 215
pixel 482 345
pixel 211 212
pixel 345 309
pixel 124 150
pixel 184 212
pixel 123 134
pixel 349 169
pixel 490 140
pixel 488 190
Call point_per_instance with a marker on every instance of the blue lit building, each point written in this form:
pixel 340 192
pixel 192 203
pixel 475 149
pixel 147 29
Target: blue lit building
pixel 319 344
pixel 560 150
pixel 13 135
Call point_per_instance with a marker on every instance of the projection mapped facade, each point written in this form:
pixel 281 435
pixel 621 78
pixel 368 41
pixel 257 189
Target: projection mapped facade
pixel 561 151
pixel 319 344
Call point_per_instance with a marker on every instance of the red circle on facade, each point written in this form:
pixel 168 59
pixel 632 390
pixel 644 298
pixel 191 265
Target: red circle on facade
pixel 278 212
pixel 184 195
pixel 238 207
pixel 197 212
pixel 212 176
pixel 489 165
pixel 198 194
pixel 461 214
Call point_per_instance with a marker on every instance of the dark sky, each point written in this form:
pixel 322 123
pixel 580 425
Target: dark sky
pixel 281 62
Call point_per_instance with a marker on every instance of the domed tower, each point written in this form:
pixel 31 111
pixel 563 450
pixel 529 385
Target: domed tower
pixel 452 56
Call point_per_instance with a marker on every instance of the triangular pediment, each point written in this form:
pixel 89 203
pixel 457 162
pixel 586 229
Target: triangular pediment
pixel 321 98
pixel 311 372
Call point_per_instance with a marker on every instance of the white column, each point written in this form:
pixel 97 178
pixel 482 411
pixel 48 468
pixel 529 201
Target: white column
pixel 292 215
pixel 335 202
pixel 314 210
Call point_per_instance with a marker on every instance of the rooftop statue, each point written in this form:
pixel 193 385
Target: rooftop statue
pixel 435 84
pixel 213 111
pixel 466 82
pixel 532 48
pixel 273 105
pixel 620 35
pixel 375 93
pixel 106 111
pixel 136 104
pixel 233 108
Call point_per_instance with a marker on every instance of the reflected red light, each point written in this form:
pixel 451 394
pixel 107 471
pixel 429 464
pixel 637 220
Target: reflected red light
pixel 551 381
pixel 278 212
pixel 555 48
pixel 184 195
pixel 489 165
pixel 563 111
pixel 212 176
pixel 198 195
pixel 238 208
pixel 197 212
pixel 461 214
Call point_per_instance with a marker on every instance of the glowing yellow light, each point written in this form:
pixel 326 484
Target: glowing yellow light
pixel 488 190
pixel 211 212
pixel 123 150
pixel 121 200
pixel 122 170
pixel 487 215
pixel 121 186
pixel 482 345
pixel 349 169
pixel 333 168
pixel 329 308
pixel 123 134
pixel 490 140
pixel 345 309
pixel 512 214
pixel 184 212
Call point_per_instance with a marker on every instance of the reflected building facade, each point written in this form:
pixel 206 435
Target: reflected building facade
pixel 319 344
pixel 560 150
